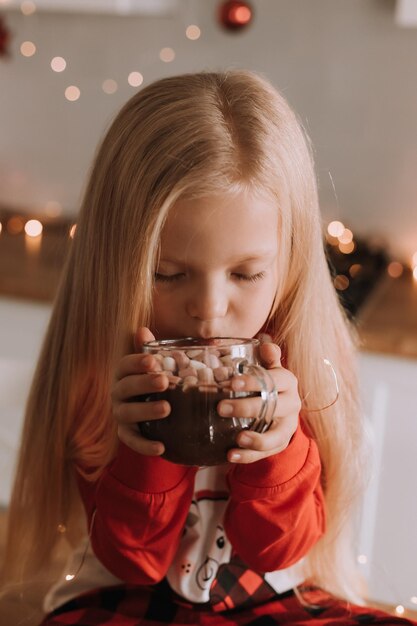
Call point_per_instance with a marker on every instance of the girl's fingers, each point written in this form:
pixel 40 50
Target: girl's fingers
pixel 142 334
pixel 285 404
pixel 131 437
pixel 255 446
pixel 132 412
pixel 136 364
pixel 140 384
pixel 132 398
pixel 270 355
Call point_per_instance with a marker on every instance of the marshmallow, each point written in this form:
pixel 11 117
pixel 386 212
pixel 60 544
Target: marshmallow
pixel 188 371
pixel 169 364
pixel 181 359
pixel 195 354
pixel 205 375
pixel 198 365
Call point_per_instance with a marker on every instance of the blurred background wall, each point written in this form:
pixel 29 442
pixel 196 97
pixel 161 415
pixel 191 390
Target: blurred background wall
pixel 346 66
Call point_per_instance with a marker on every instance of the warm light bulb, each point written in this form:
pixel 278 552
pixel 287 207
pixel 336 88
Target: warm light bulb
pixel 167 55
pixel 413 599
pixel 33 228
pixel 341 282
pixel 335 228
pixel 346 248
pixel 346 236
pixel 28 49
pixel 399 609
pixel 193 32
pixel 28 7
pixel 395 269
pixel 15 225
pixel 58 64
pixel 355 269
pixel 69 577
pixel 72 93
pixel 135 79
pixel 362 559
pixel 109 86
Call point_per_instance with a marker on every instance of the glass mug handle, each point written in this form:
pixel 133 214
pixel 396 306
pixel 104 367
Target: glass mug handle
pixel 268 393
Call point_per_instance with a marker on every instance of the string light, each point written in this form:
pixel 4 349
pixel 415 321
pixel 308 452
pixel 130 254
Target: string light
pixel 58 64
pixel 347 248
pixel 135 79
pixel 355 269
pixel 335 228
pixel 341 282
pixel 399 609
pixel 395 269
pixel 15 225
pixel 69 577
pixel 362 559
pixel 28 7
pixel 28 49
pixel 167 55
pixel 346 237
pixel 109 86
pixel 193 32
pixel 413 599
pixel 72 93
pixel 33 228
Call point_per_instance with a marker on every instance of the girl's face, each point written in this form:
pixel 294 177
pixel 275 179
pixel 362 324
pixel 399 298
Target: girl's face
pixel 217 274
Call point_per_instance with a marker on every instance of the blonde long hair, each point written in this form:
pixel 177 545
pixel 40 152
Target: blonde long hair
pixel 185 136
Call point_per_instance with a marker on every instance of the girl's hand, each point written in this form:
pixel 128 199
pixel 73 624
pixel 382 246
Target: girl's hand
pixel 255 446
pixel 137 374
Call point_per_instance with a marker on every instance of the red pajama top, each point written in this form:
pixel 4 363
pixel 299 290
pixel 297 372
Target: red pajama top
pixel 152 520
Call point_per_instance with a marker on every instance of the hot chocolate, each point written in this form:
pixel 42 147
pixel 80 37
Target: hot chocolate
pixel 194 433
pixel 199 373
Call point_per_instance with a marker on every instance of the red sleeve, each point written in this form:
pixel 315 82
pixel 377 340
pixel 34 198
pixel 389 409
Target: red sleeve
pixel 276 510
pixel 140 505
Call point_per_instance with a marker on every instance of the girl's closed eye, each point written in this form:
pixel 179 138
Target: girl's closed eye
pixel 168 278
pixel 252 278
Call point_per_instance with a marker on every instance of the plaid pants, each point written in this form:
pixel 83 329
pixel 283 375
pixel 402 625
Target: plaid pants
pixel 126 605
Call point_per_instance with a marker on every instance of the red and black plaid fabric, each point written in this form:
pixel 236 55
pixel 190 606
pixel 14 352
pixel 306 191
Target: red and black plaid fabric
pixel 126 605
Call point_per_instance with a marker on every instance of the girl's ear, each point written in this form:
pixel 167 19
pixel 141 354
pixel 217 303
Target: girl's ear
pixel 142 334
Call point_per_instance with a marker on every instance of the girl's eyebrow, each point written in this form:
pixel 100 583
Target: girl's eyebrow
pixel 264 255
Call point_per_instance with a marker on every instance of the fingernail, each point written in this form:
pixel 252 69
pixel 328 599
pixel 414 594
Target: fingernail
pixel 245 440
pixel 147 360
pixel 159 408
pixel 235 456
pixel 226 409
pixel 158 382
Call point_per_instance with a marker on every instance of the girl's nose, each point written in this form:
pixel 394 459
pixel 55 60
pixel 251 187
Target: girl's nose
pixel 208 302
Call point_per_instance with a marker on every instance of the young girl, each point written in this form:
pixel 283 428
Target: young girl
pixel 200 219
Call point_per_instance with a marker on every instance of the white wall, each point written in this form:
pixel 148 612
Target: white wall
pixel 345 65
pixel 22 327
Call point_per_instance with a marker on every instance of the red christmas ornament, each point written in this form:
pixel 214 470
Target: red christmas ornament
pixel 235 15
pixel 4 38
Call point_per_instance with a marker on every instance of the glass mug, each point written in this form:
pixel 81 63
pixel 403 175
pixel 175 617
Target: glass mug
pixel 199 373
